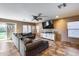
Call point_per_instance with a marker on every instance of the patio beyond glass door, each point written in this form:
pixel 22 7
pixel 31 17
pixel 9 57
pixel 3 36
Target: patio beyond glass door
pixel 3 31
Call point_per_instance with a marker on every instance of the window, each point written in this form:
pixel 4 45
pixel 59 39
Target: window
pixel 27 28
pixel 73 29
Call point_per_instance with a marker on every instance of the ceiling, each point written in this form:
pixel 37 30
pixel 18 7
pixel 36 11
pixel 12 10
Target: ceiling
pixel 24 11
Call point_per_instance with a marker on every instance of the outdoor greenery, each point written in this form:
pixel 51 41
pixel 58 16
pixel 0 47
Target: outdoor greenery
pixel 2 35
pixel 2 31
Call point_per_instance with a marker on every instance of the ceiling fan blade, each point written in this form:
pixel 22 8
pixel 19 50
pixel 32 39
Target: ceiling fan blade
pixel 39 14
pixel 43 16
pixel 35 18
pixel 39 18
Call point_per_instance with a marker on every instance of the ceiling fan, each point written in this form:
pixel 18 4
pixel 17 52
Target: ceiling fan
pixel 38 17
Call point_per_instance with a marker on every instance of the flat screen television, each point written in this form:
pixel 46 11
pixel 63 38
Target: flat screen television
pixel 47 24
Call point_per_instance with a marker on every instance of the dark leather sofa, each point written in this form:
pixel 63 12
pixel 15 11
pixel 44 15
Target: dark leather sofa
pixel 27 46
pixel 36 47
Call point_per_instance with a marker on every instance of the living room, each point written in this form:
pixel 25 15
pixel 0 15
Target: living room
pixel 40 29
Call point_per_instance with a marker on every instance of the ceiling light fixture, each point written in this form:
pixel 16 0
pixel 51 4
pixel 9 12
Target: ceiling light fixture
pixel 62 5
pixel 57 17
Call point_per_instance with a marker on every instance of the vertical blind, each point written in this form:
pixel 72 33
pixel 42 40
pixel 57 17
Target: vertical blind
pixel 73 29
pixel 27 28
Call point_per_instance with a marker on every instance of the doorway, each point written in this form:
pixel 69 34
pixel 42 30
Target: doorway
pixel 11 27
pixel 3 31
pixel 6 30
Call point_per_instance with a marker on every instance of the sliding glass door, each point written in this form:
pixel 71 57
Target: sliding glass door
pixel 3 31
pixel 6 31
pixel 10 30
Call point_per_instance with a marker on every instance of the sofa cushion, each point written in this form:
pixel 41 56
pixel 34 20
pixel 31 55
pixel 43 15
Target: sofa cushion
pixel 27 40
pixel 35 44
